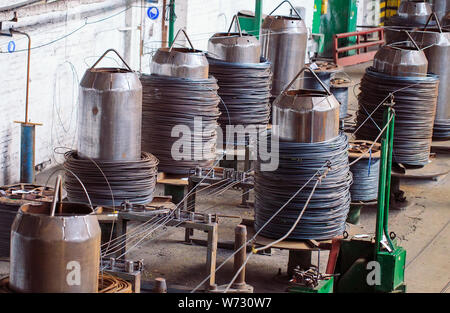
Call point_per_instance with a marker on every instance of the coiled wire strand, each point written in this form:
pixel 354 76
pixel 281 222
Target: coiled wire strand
pixel 365 174
pixel 132 181
pixel 415 108
pixel 171 101
pixel 327 211
pixel 245 91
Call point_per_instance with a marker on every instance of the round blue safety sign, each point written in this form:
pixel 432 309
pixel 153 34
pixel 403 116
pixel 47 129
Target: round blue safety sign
pixel 11 46
pixel 153 13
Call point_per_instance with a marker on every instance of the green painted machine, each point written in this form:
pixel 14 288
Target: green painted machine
pixel 367 264
pixel 337 16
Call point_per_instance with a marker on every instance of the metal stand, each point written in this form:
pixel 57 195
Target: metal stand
pixel 239 286
pixel 204 222
pixel 127 270
pixel 218 175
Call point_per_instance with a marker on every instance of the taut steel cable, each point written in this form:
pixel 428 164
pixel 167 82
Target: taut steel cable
pixel 327 211
pixel 171 101
pixel 415 108
pixel 133 181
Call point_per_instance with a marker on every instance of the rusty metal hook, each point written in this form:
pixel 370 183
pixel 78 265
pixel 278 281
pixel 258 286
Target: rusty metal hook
pixel 293 8
pixel 315 76
pixel 235 18
pixel 117 53
pixel 436 19
pixel 185 35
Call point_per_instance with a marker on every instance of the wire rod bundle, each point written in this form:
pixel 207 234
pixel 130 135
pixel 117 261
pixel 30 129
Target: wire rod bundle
pixel 365 174
pixel 441 129
pixel 12 197
pixel 326 213
pixel 170 101
pixel 133 181
pixel 245 91
pixel 415 101
pixel 107 283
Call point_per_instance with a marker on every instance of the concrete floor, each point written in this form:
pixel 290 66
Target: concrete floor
pixel 422 229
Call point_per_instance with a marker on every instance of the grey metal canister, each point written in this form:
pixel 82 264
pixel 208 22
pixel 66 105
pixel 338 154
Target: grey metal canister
pixel 110 113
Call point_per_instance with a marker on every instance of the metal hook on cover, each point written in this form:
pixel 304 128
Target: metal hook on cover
pixel 436 19
pixel 293 8
pixel 117 53
pixel 412 40
pixel 185 35
pixel 57 195
pixel 235 18
pixel 315 76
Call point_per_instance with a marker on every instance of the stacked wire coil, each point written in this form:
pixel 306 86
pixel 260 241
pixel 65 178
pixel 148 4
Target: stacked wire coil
pixel 12 197
pixel 107 283
pixel 245 92
pixel 414 100
pixel 327 210
pixel 132 181
pixel 188 107
pixel 365 174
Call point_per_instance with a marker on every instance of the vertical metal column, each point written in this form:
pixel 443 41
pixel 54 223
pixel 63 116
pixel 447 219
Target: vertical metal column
pixel 258 18
pixel 27 131
pixel 27 148
pixel 385 180
pixel 171 21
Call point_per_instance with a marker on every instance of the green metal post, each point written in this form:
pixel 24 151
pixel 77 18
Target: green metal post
pixel 385 179
pixel 258 18
pixel 391 121
pixel 171 21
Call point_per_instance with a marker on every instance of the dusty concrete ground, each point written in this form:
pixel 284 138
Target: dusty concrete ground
pixel 422 229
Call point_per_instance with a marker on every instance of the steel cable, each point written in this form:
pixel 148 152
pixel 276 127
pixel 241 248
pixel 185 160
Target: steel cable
pixel 415 108
pixel 327 210
pixel 170 101
pixel 132 181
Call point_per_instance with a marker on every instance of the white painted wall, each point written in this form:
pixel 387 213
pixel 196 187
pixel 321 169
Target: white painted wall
pixel 56 70
pixel 368 12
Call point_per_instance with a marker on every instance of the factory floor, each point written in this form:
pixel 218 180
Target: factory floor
pixel 422 229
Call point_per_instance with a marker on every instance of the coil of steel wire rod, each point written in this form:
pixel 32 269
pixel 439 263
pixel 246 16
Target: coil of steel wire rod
pixel 415 101
pixel 245 91
pixel 327 210
pixel 365 171
pixel 192 106
pixel 132 181
pixel 107 283
pixel 11 198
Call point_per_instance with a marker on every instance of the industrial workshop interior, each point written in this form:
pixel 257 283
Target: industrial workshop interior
pixel 229 154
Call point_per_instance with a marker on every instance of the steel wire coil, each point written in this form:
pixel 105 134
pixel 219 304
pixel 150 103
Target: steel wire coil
pixel 415 101
pixel 245 91
pixel 326 213
pixel 441 129
pixel 365 174
pixel 132 181
pixel 107 283
pixel 171 101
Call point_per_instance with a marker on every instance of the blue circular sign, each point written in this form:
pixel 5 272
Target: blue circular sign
pixel 11 46
pixel 153 13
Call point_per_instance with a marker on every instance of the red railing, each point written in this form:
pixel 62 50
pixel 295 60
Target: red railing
pixel 360 56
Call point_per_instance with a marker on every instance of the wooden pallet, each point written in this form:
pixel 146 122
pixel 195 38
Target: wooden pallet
pixel 172 179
